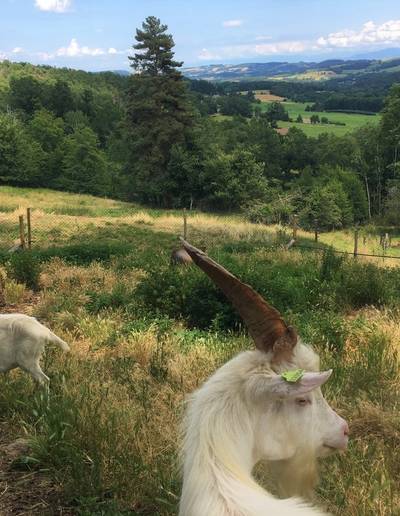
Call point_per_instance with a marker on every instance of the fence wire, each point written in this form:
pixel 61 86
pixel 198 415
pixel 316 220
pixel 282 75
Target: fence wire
pixel 112 222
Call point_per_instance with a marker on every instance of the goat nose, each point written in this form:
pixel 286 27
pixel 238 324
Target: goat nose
pixel 346 430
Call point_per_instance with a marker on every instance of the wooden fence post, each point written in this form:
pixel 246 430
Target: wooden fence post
pixel 316 231
pixel 355 243
pixel 22 231
pixel 28 222
pixel 295 227
pixel 184 224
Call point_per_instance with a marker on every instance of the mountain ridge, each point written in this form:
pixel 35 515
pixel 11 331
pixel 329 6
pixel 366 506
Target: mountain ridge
pixel 301 70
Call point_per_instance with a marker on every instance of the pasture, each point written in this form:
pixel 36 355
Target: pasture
pixel 144 335
pixel 353 121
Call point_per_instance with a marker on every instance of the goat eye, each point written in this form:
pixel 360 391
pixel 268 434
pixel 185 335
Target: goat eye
pixel 303 401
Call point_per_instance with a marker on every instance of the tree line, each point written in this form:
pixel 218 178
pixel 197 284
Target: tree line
pixel 150 138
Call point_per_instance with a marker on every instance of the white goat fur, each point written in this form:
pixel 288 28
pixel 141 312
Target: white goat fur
pixel 22 342
pixel 233 422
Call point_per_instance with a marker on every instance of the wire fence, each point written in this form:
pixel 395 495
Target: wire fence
pixel 41 228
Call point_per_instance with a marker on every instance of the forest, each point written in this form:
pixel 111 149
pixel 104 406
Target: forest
pixel 156 138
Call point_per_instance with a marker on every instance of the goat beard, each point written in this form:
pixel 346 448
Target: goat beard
pixel 296 476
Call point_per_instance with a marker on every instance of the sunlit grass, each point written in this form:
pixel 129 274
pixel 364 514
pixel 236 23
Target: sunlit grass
pixel 109 433
pixel 60 218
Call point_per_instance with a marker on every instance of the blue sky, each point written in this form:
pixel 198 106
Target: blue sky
pixel 97 34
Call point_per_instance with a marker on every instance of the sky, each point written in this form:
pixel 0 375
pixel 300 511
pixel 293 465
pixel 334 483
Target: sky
pixel 98 34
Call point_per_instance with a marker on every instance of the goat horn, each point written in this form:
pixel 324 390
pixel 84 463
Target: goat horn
pixel 265 324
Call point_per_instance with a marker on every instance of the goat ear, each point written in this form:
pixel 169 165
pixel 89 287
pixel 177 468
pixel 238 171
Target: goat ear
pixel 310 381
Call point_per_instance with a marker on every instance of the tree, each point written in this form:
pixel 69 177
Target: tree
pixel 75 120
pixel 21 159
pixel 155 56
pixel 232 105
pixel 159 114
pixel 314 119
pixel 48 131
pixel 84 165
pixel 369 160
pixel 390 132
pixel 61 98
pixel 276 112
pixel 299 119
pixel 392 204
pixel 231 181
pixel 329 205
pixel 26 94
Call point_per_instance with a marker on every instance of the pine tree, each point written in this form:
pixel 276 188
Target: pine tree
pixel 155 46
pixel 159 114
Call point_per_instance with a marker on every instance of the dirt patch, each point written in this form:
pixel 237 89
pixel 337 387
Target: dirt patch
pixel 23 489
pixel 267 96
pixel 26 307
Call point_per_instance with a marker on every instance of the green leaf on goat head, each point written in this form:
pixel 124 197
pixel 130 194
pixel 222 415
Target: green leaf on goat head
pixel 293 376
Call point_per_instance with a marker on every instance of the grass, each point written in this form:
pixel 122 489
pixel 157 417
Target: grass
pixel 66 224
pixel 353 121
pixel 107 437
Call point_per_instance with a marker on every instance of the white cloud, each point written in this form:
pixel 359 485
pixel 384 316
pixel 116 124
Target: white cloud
pixel 17 50
pixel 206 55
pixel 232 23
pixel 242 51
pixel 112 50
pixel 370 34
pixel 57 6
pixel 75 50
pixel 282 47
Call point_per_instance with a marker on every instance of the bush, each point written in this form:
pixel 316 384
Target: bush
pixel 292 286
pixel 331 265
pixel 25 268
pixel 184 294
pixel 120 296
pixel 367 284
pixel 259 213
pixel 188 294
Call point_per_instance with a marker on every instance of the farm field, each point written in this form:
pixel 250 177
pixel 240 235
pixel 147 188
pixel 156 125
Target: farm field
pixel 353 121
pixel 144 334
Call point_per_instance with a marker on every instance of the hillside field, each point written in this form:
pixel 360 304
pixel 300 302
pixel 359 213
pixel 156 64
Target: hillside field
pixel 353 121
pixel 144 335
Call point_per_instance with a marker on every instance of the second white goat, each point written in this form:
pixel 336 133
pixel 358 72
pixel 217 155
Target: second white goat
pixel 22 342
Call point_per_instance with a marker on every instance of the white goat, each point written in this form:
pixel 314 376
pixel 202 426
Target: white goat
pixel 247 412
pixel 22 342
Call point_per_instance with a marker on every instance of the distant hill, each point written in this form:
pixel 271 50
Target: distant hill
pixel 385 53
pixel 301 71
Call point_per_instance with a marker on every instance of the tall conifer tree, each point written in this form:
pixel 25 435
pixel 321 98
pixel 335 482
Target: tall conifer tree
pixel 159 113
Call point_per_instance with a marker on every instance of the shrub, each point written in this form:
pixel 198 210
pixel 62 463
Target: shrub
pixel 25 268
pixel 120 296
pixel 188 294
pixel 14 292
pixel 331 265
pixel 367 284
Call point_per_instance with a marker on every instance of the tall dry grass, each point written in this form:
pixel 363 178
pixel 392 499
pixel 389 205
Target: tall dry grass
pixel 109 432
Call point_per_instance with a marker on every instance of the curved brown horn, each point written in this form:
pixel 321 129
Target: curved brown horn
pixel 265 324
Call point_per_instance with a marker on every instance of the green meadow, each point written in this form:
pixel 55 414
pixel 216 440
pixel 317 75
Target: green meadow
pixel 353 121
